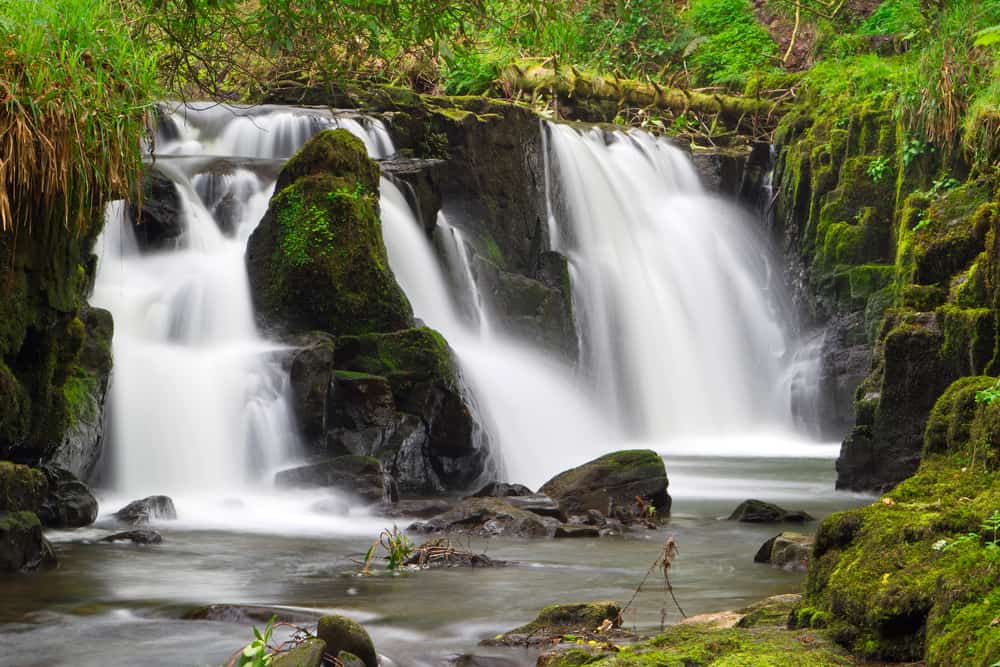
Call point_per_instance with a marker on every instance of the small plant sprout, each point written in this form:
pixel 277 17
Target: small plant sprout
pixel 988 395
pixel 256 653
pixel 878 169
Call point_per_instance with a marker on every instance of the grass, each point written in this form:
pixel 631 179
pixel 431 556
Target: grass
pixel 74 89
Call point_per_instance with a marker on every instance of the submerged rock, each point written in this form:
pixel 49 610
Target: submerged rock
pixel 360 476
pixel 758 511
pixel 22 545
pixel 788 550
pixel 135 537
pixel 612 483
pixel 343 634
pixel 249 613
pixel 141 512
pixel 68 502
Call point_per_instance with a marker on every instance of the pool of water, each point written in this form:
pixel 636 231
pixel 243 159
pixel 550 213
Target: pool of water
pixel 119 604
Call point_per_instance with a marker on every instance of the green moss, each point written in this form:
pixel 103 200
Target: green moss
pixel 969 335
pixel 336 152
pixel 403 356
pixel 18 522
pixel 563 618
pixel 354 375
pixel 867 279
pixel 79 392
pixel 21 487
pixel 951 419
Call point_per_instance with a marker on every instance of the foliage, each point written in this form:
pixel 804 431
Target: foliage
pixel 74 88
pixel 733 42
pixel 988 395
pixel 878 169
pixel 397 547
pixel 257 653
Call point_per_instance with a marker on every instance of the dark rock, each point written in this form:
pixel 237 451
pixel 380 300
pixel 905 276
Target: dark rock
pixel 359 476
pixel 21 488
pixel 343 634
pixel 362 414
pixel 721 169
pixel 502 490
pixel 348 659
pixel 560 619
pixel 158 223
pixel 612 528
pixel 486 517
pixel 249 613
pixel 571 530
pixel 318 262
pixel 469 660
pixel 307 654
pixel 417 508
pixel 135 536
pixel 610 484
pixel 538 503
pixel 68 502
pixel 141 512
pixel 418 181
pixel 591 518
pixel 311 377
pixel 788 550
pixel 22 545
pixel 757 511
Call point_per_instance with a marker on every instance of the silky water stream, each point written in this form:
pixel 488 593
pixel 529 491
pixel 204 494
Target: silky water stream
pixel 683 351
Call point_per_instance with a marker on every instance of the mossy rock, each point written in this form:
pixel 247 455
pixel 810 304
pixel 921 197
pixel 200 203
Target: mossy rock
pixel 22 545
pixel 317 260
pixel 343 634
pixel 21 488
pixel 611 483
pixel 307 654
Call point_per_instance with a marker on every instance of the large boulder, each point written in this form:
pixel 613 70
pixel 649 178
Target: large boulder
pixel 610 484
pixel 317 260
pixel 22 545
pixel 21 488
pixel 757 511
pixel 343 634
pixel 141 512
pixel 158 221
pixel 787 550
pixel 68 502
pixel 359 476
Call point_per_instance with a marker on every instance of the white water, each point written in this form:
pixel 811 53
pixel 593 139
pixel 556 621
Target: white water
pixel 199 401
pixel 679 331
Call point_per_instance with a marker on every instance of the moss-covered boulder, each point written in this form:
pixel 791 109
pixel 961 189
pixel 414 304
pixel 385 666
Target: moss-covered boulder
pixel 22 545
pixel 317 260
pixel 343 634
pixel 611 483
pixel 557 620
pixel 21 488
pixel 307 654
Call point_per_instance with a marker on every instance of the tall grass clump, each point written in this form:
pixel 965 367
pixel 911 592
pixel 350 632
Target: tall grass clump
pixel 74 88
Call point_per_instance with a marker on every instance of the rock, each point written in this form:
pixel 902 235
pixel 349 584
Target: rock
pixel 362 415
pixel 21 488
pixel 418 181
pixel 158 223
pixel 591 518
pixel 85 393
pixel 307 654
pixel 135 537
pixel 612 528
pixel 317 260
pixel 310 375
pixel 788 550
pixel 569 530
pixel 538 503
pixel 141 512
pixel 417 508
pixel 68 502
pixel 470 660
pixel 334 506
pixel 348 659
pixel 502 490
pixel 610 484
pixel 249 613
pixel 757 511
pixel 343 634
pixel 560 619
pixel 22 545
pixel 487 517
pixel 359 476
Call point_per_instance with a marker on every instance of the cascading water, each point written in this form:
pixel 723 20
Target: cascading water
pixel 198 401
pixel 679 329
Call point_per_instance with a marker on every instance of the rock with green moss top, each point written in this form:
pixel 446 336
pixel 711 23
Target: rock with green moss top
pixel 21 488
pixel 343 634
pixel 22 546
pixel 787 550
pixel 611 483
pixel 555 621
pixel 317 260
pixel 307 654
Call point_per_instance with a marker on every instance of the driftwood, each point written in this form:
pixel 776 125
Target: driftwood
pixel 440 553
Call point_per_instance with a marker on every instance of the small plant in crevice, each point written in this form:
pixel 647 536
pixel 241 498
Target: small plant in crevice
pixel 257 653
pixel 913 149
pixel 878 169
pixel 990 528
pixel 988 395
pixel 941 184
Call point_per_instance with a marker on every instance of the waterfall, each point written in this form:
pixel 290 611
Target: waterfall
pixel 199 400
pixel 681 330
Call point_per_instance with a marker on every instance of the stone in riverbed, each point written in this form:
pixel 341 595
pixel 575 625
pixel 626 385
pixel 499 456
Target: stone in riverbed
pixel 418 508
pixel 757 511
pixel 135 537
pixel 788 550
pixel 307 654
pixel 141 512
pixel 538 503
pixel 570 530
pixel 343 634
pixel 612 483
pixel 68 502
pixel 502 490
pixel 360 476
pixel 487 517
pixel 248 613
pixel 22 545
pixel 557 620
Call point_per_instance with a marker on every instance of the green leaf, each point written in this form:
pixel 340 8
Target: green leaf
pixel 988 36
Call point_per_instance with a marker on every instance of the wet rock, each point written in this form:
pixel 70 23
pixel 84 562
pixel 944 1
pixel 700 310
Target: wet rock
pixel 158 223
pixel 538 503
pixel 348 659
pixel 307 654
pixel 418 181
pixel 610 484
pixel 560 619
pixel 248 613
pixel 469 660
pixel 310 375
pixel 486 517
pixel 757 511
pixel 141 512
pixel 591 518
pixel 612 528
pixel 418 508
pixel 22 545
pixel 787 550
pixel 135 537
pixel 359 476
pixel 68 502
pixel 343 634
pixel 502 490
pixel 570 530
